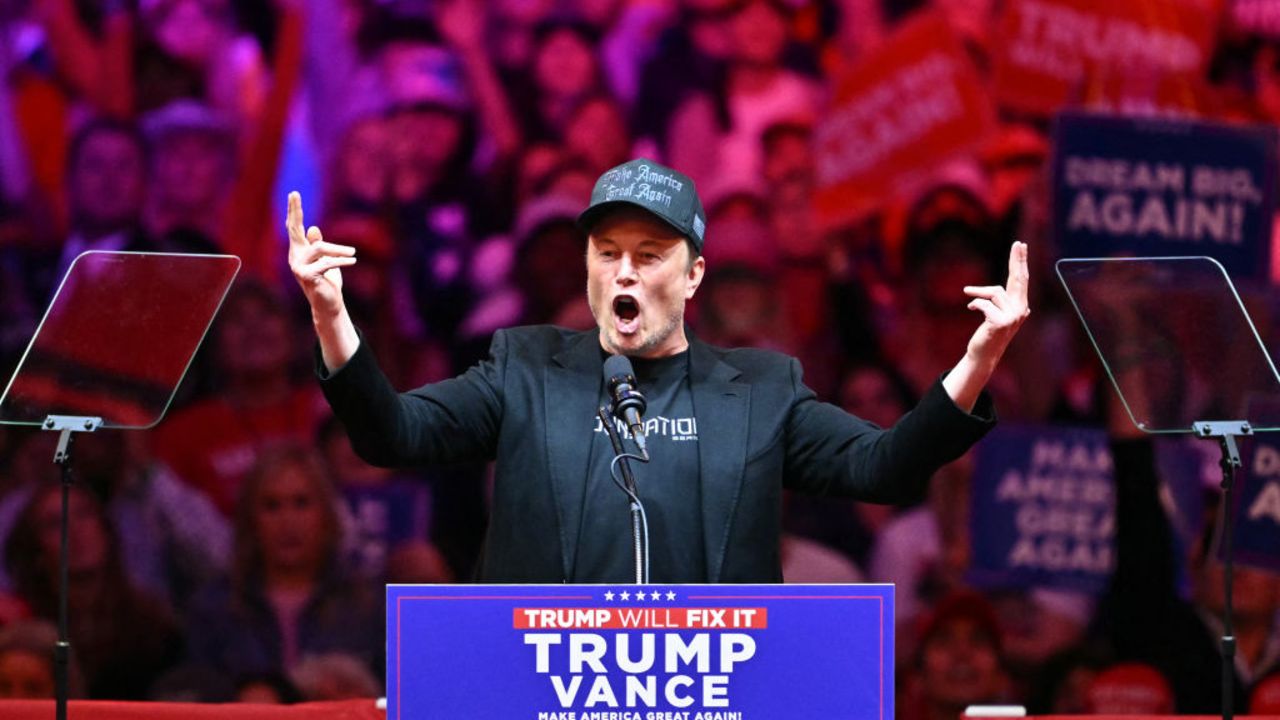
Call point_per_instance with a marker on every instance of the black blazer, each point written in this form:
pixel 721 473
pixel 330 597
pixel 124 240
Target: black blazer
pixel 528 407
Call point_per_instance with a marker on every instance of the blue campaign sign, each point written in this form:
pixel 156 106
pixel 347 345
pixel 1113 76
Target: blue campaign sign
pixel 1042 510
pixel 629 652
pixel 384 515
pixel 1257 506
pixel 1146 187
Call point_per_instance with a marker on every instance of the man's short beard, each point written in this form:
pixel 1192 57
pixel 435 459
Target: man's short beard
pixel 665 331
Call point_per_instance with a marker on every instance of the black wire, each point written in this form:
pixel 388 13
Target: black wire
pixel 635 502
pixel 613 473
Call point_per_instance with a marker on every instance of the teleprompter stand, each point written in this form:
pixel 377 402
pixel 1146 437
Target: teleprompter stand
pixel 66 426
pixel 1226 434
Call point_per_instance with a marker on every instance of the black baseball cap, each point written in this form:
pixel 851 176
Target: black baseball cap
pixel 669 194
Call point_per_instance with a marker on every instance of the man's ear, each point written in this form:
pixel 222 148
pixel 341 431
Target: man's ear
pixel 696 270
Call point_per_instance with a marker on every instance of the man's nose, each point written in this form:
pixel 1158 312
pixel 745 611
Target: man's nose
pixel 626 271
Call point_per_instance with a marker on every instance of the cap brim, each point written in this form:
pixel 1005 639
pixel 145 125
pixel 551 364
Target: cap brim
pixel 590 217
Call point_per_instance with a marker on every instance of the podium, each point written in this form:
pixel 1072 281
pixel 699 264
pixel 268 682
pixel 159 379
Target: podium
pixel 640 652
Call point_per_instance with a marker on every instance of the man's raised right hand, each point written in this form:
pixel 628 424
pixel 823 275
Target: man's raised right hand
pixel 316 265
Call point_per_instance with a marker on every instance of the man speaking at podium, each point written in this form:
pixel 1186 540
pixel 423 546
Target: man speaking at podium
pixel 736 426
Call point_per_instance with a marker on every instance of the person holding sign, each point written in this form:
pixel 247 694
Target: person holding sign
pixel 728 429
pixel 1145 614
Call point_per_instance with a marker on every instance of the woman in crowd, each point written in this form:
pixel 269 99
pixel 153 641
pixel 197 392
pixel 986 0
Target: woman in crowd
pixel 287 596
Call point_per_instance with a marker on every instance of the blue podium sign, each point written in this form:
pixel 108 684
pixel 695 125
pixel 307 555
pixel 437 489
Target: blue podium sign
pixel 640 652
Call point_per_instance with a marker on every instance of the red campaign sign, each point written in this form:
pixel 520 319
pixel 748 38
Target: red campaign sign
pixel 1147 94
pixel 896 115
pixel 1103 53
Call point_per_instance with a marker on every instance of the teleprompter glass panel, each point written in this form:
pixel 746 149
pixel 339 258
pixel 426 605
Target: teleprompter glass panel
pixel 1175 340
pixel 118 337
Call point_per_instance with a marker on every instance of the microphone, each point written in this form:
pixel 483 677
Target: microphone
pixel 628 404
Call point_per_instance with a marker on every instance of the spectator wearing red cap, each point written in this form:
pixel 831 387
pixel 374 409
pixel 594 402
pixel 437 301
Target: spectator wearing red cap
pixel 1266 697
pixel 1130 689
pixel 959 661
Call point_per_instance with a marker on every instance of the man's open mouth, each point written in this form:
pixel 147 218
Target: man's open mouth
pixel 626 313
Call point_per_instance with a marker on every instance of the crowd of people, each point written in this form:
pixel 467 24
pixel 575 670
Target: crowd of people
pixel 238 550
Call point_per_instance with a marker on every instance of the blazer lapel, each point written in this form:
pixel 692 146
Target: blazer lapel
pixel 722 408
pixel 572 392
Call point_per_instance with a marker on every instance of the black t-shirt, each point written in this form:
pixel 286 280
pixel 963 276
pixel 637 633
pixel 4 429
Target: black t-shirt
pixel 669 487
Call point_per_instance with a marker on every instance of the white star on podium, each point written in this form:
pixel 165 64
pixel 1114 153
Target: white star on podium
pixel 655 595
pixel 671 595
pixel 608 596
pixel 625 595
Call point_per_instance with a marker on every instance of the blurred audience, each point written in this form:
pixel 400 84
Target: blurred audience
pixel 959 660
pixel 123 637
pixel 171 537
pixel 26 662
pixel 453 143
pixel 288 595
pixel 1146 618
pixel 335 676
pixel 213 442
pixel 389 512
pixel 717 134
pixel 268 689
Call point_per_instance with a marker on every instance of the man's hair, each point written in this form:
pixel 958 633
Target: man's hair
pixel 693 254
